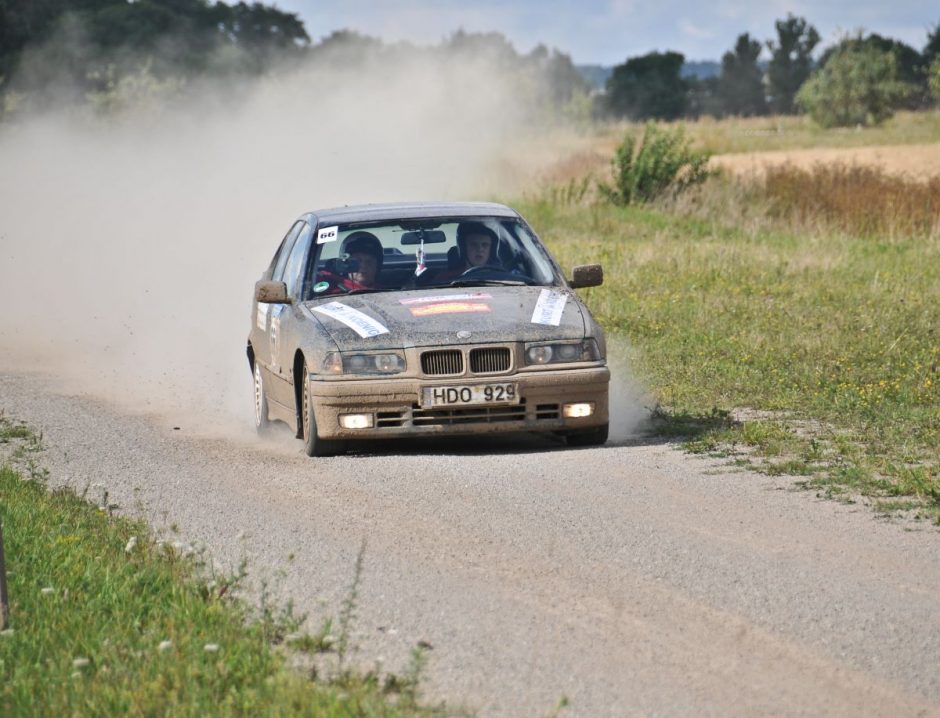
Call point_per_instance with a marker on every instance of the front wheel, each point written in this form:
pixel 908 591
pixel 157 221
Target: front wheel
pixel 591 437
pixel 313 444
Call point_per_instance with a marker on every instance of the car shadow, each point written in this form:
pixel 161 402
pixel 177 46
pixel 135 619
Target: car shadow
pixel 660 428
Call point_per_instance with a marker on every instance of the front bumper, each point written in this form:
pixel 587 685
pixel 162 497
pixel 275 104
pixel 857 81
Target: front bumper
pixel 396 405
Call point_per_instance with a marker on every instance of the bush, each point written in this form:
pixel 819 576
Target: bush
pixel 858 85
pixel 661 162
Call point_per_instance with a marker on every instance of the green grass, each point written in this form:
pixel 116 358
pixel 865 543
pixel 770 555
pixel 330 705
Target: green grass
pixel 834 338
pixel 89 615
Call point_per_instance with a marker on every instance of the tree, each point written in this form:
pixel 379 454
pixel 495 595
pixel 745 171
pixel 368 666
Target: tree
pixel 791 61
pixel 932 48
pixel 933 80
pixel 858 85
pixel 648 87
pixel 910 64
pixel 561 79
pixel 741 83
pixel 76 39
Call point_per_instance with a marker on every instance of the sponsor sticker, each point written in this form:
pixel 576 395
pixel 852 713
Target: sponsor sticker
pixel 362 324
pixel 429 310
pixel 327 234
pixel 445 298
pixel 549 307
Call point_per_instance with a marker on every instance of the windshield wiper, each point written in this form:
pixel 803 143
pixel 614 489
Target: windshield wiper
pixel 366 291
pixel 487 283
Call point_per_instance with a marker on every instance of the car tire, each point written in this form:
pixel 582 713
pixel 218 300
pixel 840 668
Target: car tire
pixel 313 444
pixel 591 437
pixel 262 422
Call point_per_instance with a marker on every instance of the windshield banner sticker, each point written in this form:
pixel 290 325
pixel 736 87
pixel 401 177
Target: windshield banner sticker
pixel 362 324
pixel 429 310
pixel 445 298
pixel 549 307
pixel 327 234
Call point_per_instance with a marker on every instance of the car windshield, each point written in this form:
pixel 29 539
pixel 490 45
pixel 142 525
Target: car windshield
pixel 427 253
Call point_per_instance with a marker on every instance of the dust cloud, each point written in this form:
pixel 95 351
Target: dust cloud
pixel 630 401
pixel 129 244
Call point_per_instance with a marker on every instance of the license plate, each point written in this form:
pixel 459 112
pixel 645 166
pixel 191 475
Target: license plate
pixel 470 394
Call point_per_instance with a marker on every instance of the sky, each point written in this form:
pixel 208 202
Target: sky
pixel 608 31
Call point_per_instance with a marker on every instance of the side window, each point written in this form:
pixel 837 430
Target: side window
pixel 297 261
pixel 286 246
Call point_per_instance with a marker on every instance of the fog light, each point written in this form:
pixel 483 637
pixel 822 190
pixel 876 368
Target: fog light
pixel 355 421
pixel 577 411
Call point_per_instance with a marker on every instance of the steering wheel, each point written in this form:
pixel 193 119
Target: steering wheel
pixel 495 271
pixel 477 269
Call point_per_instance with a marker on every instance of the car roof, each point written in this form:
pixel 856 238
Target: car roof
pixel 408 210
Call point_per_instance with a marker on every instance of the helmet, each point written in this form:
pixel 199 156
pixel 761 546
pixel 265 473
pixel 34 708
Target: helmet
pixel 466 229
pixel 364 242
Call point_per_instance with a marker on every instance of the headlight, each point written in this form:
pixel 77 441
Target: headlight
pixel 562 352
pixel 340 363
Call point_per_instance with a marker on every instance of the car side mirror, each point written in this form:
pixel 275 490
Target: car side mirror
pixel 587 275
pixel 267 292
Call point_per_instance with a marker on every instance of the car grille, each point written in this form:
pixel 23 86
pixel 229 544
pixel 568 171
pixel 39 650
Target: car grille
pixel 469 415
pixel 546 411
pixel 489 360
pixel 442 362
pixel 389 418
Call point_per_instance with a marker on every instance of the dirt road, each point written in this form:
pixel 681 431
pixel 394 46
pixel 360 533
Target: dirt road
pixel 631 579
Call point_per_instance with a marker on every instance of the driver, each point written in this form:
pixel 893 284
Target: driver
pixel 477 246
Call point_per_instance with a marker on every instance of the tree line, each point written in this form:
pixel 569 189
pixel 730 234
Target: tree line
pixel 81 50
pixel 862 79
pixel 72 50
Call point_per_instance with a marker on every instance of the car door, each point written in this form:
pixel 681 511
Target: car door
pixel 286 318
pixel 264 331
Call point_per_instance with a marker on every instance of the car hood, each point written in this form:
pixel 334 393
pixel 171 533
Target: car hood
pixel 434 317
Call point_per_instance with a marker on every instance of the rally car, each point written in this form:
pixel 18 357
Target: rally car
pixel 404 320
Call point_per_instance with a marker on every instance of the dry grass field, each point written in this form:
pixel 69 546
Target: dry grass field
pixel 918 161
pixel 908 145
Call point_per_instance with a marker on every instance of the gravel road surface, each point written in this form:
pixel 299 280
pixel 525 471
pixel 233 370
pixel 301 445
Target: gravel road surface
pixel 632 579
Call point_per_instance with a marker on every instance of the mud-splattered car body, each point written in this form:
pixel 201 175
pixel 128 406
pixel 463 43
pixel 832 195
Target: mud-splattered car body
pixel 429 349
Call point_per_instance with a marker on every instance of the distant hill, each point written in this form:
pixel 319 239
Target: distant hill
pixel 597 75
pixel 702 69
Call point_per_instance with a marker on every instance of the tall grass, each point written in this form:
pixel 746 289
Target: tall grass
pixel 858 199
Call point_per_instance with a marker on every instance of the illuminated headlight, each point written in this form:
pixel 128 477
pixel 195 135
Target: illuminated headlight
pixel 339 363
pixel 577 411
pixel 562 352
pixel 355 421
